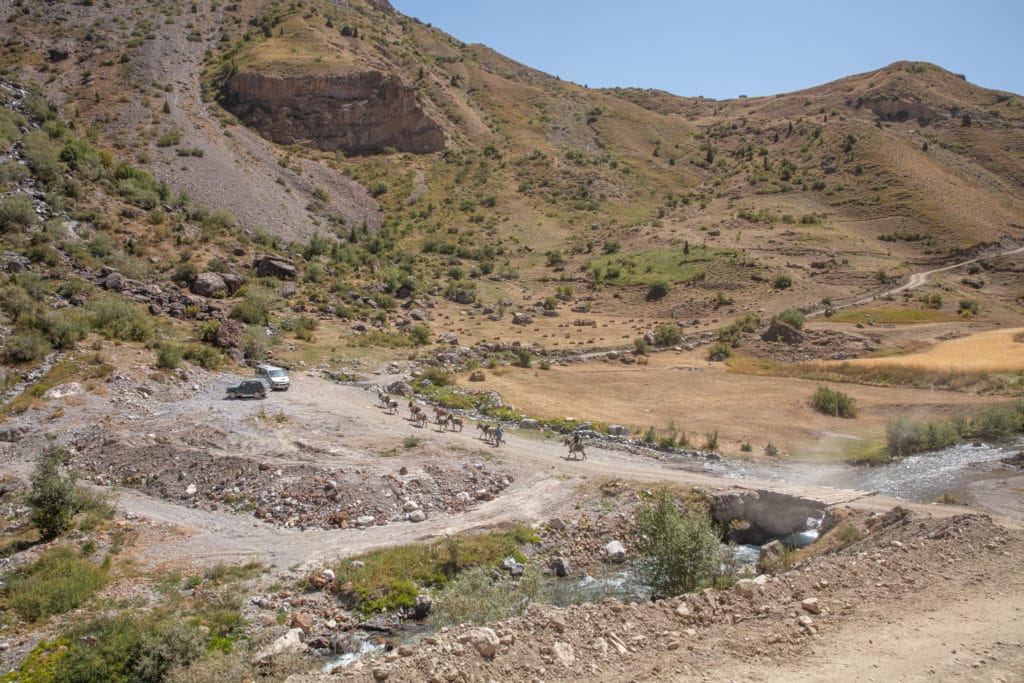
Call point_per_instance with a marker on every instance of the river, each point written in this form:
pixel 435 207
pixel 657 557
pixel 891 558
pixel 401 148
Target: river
pixel 917 478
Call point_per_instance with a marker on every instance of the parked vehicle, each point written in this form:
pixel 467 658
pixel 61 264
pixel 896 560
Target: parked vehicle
pixel 248 388
pixel 274 376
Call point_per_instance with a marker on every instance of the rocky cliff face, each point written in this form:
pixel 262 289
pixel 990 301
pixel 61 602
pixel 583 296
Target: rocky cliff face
pixel 357 113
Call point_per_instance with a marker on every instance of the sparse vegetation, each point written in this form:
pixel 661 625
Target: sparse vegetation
pixel 835 403
pixel 680 551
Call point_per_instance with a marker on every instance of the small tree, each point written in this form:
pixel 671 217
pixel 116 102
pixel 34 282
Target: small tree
pixel 680 552
pixel 667 335
pixel 783 280
pixel 51 497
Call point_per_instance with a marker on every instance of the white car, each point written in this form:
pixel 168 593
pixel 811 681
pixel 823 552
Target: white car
pixel 276 377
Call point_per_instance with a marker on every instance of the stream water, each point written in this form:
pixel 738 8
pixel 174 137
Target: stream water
pixel 918 478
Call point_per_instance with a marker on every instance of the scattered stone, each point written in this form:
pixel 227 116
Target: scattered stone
pixel 564 654
pixel 209 284
pixel 615 552
pixel 417 516
pixel 365 520
pixel 484 640
pixel 561 566
pixel 289 641
pixel 811 605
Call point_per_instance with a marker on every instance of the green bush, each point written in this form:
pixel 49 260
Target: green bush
pixel 25 346
pixel 60 580
pixel 667 335
pixel 968 307
pixel 51 497
pixel 436 376
pixel 783 280
pixel 524 357
pixel 64 327
pixel 168 355
pixel 834 403
pixel 204 356
pixel 255 343
pixel 254 308
pixel 658 290
pixel 680 552
pixel 42 153
pixel 719 351
pixel 117 318
pixel 17 213
pixel 420 334
pixel 792 316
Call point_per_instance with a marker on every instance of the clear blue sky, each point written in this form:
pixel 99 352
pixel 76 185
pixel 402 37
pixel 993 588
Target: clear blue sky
pixel 725 48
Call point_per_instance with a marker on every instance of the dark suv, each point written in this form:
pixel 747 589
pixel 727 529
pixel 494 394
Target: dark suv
pixel 248 388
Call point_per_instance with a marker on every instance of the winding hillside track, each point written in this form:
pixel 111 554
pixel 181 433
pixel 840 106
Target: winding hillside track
pixel 916 281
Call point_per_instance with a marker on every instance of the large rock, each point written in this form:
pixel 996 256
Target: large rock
pixel 358 112
pixel 228 335
pixel 771 555
pixel 779 331
pixel 522 319
pixel 209 284
pixel 483 640
pixel 561 566
pixel 767 514
pixel 289 641
pixel 615 552
pixel 268 265
pixel 115 282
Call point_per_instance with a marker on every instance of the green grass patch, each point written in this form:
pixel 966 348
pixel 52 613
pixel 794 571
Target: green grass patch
pixel 58 581
pixel 654 266
pixel 905 437
pixel 390 578
pixel 79 369
pixel 897 316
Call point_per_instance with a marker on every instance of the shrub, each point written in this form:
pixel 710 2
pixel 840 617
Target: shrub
pixel 25 346
pixel 204 356
pixel 117 318
pixel 436 376
pixel 783 280
pixel 169 355
pixel 711 440
pixel 64 327
pixel 792 316
pixel 834 403
pixel 719 351
pixel 641 347
pixel 524 357
pixel 60 580
pixel 680 552
pixel 254 308
pixel 771 450
pixel 17 213
pixel 476 597
pixel 968 307
pixel 658 290
pixel 420 334
pixel 51 496
pixel 667 335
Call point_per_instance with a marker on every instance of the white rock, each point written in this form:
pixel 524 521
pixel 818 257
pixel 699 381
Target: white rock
pixel 417 516
pixel 483 639
pixel 191 490
pixel 410 505
pixel 289 641
pixel 745 588
pixel 365 520
pixel 564 654
pixel 615 552
pixel 328 574
pixel 805 620
pixel 811 605
pixel 683 610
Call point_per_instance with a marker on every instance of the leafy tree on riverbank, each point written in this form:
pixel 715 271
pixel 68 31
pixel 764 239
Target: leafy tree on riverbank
pixel 680 551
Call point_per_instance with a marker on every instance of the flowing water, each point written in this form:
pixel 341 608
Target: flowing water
pixel 917 478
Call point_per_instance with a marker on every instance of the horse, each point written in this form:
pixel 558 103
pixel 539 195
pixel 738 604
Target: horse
pixel 575 445
pixel 486 429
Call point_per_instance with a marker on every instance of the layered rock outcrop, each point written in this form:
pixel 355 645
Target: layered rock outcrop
pixel 358 113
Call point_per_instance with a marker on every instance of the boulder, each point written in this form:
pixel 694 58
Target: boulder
pixel 615 552
pixel 115 282
pixel 484 640
pixel 618 430
pixel 417 516
pixel 419 314
pixel 228 335
pixel 522 319
pixel 771 554
pixel 268 265
pixel 365 520
pixel 234 282
pixel 289 641
pixel 421 608
pixel 448 338
pixel 780 331
pixel 560 566
pixel 302 621
pixel 529 423
pixel 209 284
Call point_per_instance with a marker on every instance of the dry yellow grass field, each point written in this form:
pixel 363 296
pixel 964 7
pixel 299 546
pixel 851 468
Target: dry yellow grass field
pixel 992 351
pixel 700 397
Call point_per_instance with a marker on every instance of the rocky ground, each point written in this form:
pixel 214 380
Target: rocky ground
pixel 320 473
